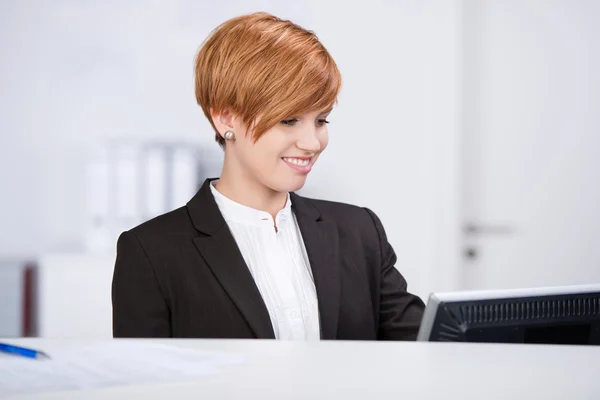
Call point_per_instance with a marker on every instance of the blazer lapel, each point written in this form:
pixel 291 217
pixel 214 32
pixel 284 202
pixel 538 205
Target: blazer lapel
pixel 221 253
pixel 321 242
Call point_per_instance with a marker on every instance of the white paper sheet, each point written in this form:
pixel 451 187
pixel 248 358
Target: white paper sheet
pixel 108 364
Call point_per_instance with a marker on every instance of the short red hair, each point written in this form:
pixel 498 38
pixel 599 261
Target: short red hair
pixel 259 65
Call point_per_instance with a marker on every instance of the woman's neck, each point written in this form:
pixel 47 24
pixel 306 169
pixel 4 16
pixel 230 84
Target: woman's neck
pixel 250 193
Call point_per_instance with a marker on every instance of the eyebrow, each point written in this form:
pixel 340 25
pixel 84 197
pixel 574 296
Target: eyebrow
pixel 326 111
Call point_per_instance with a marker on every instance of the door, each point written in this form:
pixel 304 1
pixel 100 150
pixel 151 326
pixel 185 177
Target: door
pixel 531 171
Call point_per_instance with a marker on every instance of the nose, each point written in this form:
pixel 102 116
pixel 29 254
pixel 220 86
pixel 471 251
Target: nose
pixel 308 140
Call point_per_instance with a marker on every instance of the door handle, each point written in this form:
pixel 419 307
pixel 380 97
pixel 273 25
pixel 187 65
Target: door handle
pixel 478 229
pixel 472 252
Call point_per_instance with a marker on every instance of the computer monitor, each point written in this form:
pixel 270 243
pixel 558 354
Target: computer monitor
pixel 550 315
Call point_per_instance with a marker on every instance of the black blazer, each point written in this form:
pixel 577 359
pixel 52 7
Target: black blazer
pixel 182 275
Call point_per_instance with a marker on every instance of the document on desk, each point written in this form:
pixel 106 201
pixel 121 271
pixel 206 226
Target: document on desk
pixel 109 364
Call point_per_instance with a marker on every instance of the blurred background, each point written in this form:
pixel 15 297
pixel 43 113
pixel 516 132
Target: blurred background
pixel 472 128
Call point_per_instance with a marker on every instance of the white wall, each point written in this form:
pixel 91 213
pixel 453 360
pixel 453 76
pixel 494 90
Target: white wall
pixel 532 141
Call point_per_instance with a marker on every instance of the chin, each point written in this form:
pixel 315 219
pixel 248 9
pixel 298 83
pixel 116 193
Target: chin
pixel 289 185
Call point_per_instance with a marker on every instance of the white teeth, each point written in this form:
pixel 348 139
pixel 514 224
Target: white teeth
pixel 297 161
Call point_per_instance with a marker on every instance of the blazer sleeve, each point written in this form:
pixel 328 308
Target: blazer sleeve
pixel 400 312
pixel 138 305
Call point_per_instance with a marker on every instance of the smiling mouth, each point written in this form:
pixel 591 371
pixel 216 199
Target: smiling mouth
pixel 301 162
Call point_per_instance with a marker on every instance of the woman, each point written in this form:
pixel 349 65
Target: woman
pixel 246 257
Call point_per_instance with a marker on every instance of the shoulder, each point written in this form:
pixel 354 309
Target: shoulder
pixel 347 216
pixel 161 227
pixel 360 232
pixel 336 210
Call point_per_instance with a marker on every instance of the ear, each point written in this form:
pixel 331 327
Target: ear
pixel 223 121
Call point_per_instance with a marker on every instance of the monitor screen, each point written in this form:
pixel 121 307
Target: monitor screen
pixel 553 315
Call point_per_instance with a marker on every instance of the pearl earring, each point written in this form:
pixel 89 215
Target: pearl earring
pixel 229 135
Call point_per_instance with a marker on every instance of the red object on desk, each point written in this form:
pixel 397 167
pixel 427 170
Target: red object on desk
pixel 29 321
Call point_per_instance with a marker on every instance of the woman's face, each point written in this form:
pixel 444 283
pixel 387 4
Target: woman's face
pixel 282 157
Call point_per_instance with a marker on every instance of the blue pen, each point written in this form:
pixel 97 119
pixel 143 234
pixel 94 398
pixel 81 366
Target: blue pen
pixel 22 351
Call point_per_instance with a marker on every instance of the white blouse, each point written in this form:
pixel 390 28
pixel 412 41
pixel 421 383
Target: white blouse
pixel 279 265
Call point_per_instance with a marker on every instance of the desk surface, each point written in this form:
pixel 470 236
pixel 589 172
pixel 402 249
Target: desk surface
pixel 355 370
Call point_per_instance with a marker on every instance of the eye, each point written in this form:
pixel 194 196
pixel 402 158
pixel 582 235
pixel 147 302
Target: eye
pixel 322 122
pixel 290 122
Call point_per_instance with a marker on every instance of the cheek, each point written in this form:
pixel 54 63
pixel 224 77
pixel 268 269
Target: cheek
pixel 324 140
pixel 266 153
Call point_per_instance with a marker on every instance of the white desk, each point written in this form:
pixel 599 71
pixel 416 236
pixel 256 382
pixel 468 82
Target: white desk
pixel 371 370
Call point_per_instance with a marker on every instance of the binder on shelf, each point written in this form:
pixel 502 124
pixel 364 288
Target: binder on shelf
pixel 126 160
pixel 130 182
pixel 154 170
pixel 184 176
pixel 97 199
